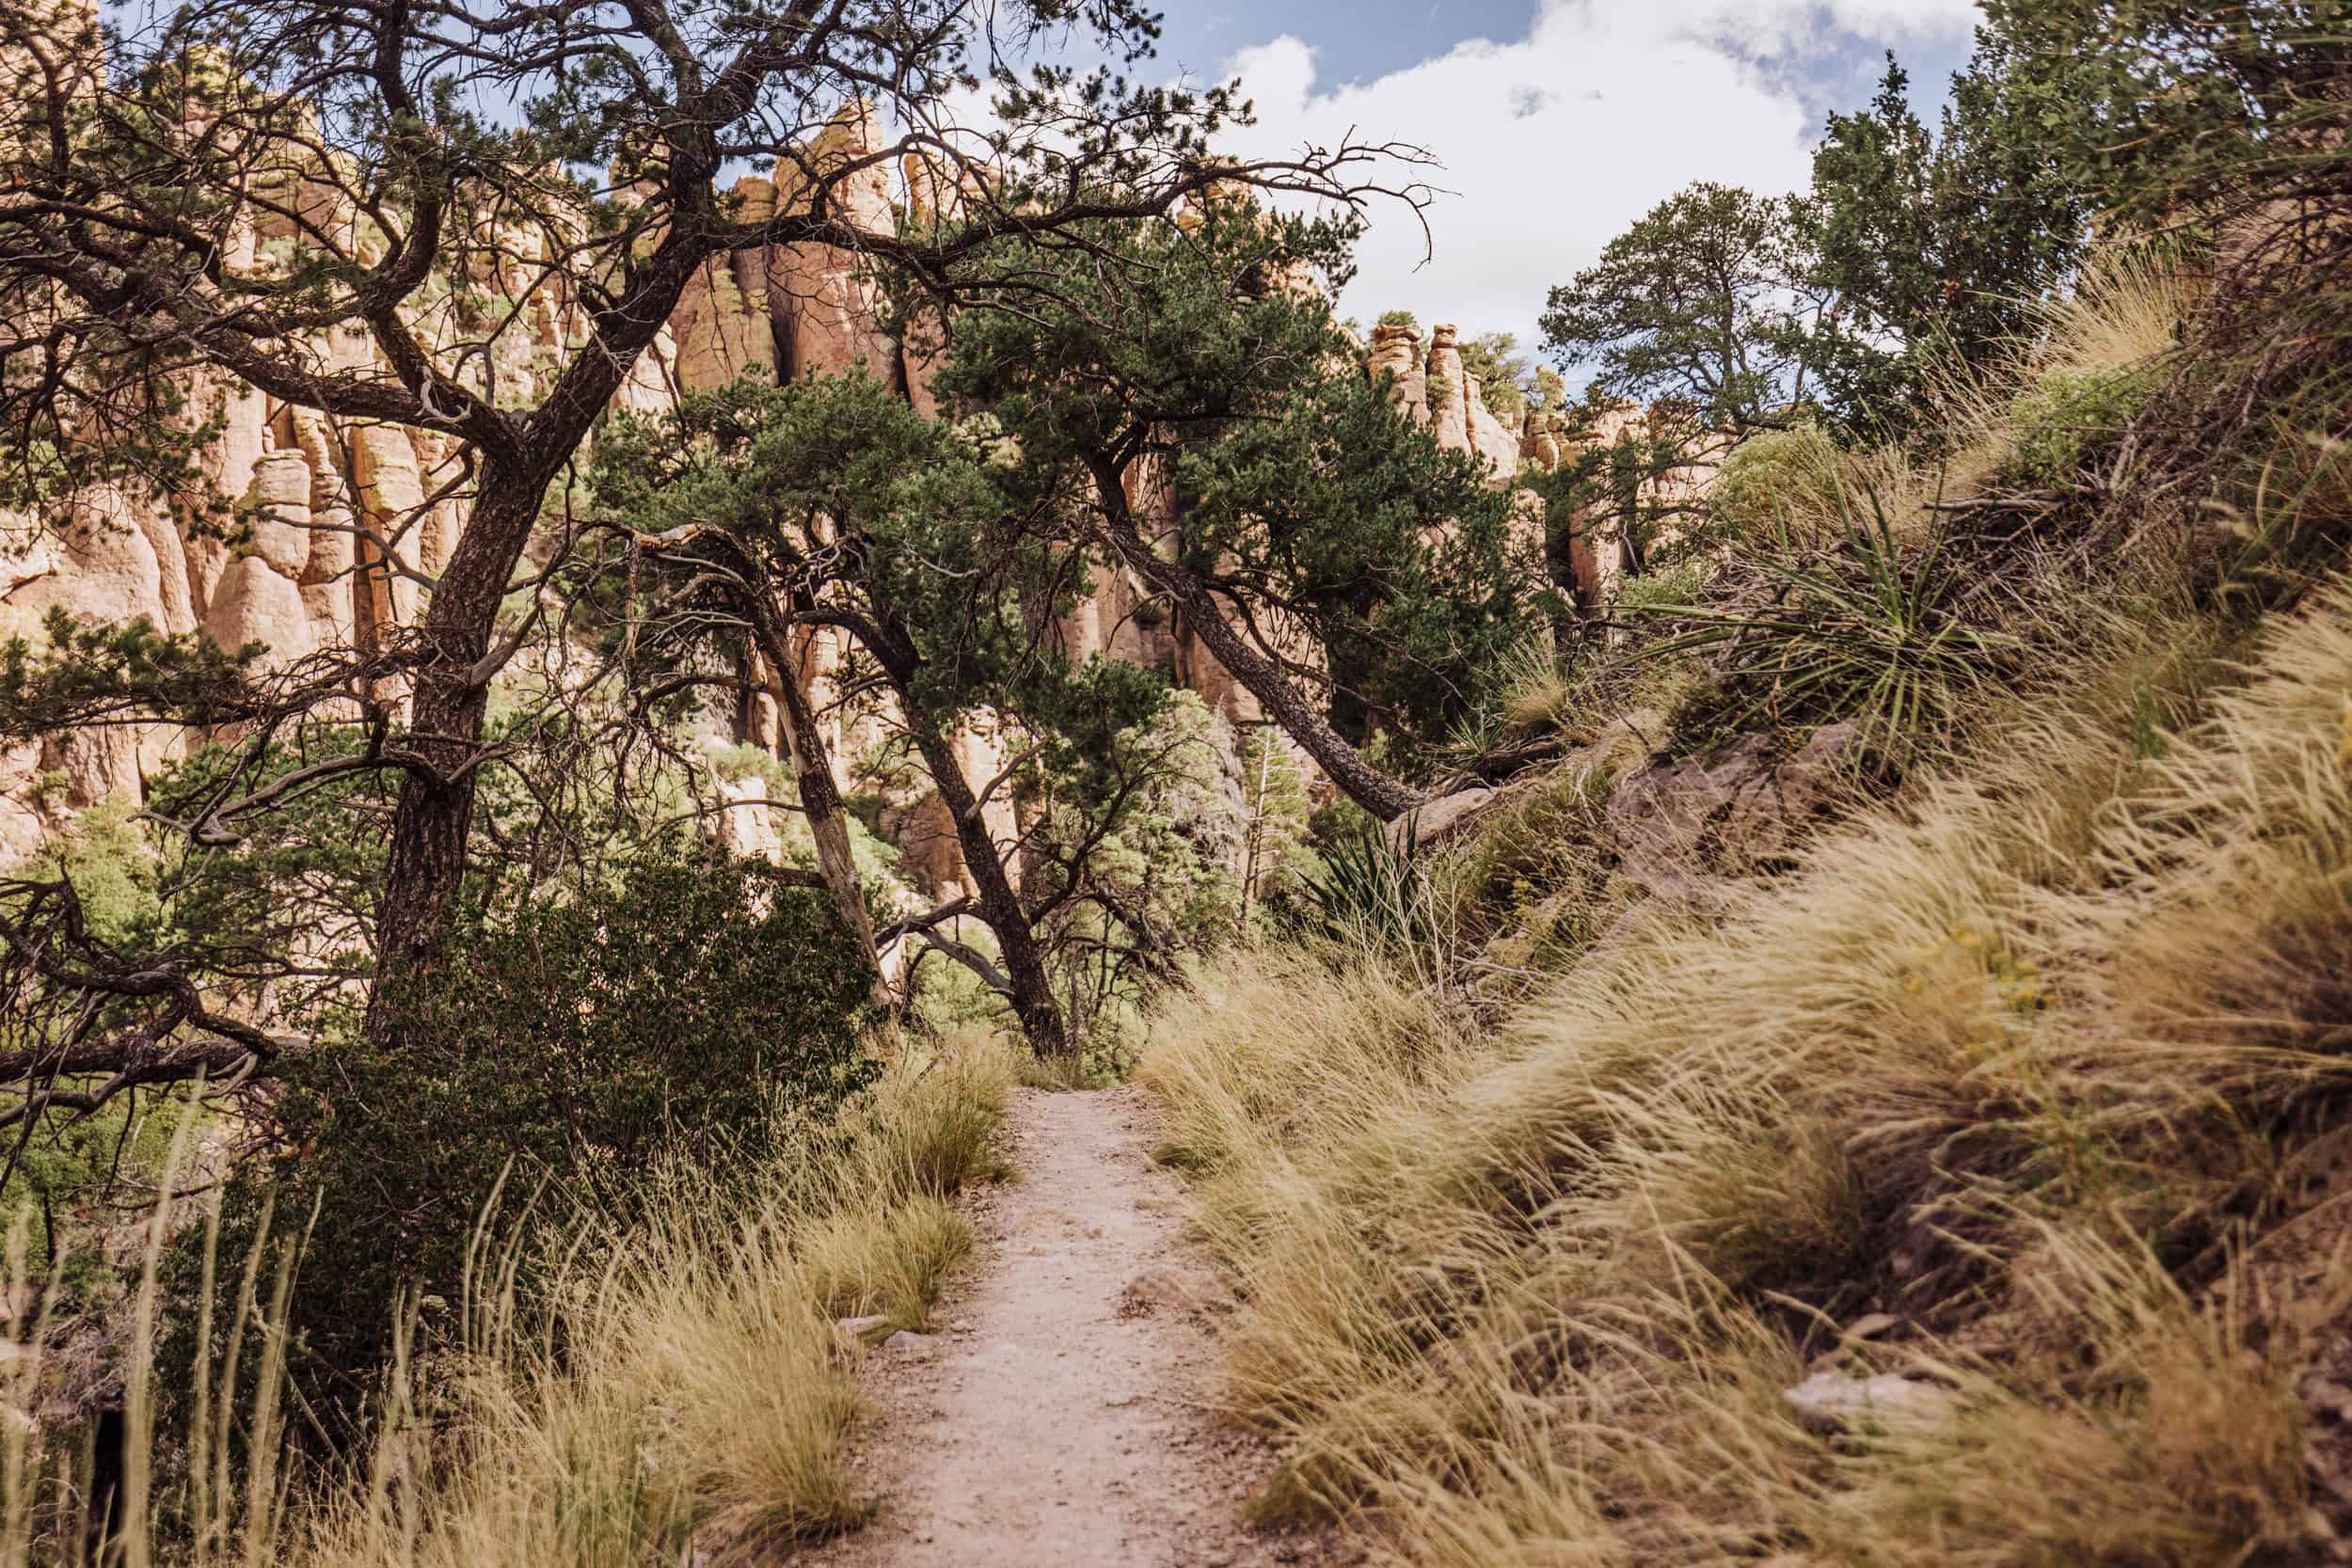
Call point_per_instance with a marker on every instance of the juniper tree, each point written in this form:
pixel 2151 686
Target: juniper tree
pixel 1937 244
pixel 1705 300
pixel 940 564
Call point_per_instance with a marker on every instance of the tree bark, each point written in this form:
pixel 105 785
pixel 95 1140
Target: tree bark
pixel 812 766
pixel 427 860
pixel 1000 907
pixel 1384 797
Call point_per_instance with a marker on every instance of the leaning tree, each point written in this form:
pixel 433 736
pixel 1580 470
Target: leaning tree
pixel 941 564
pixel 1344 568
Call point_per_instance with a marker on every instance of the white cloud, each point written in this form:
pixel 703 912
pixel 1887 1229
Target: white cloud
pixel 1552 144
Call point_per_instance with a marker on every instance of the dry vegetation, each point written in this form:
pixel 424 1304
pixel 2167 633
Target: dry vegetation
pixel 2013 1089
pixel 682 1382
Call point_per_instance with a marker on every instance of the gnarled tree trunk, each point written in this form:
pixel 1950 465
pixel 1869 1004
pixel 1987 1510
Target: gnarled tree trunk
pixel 427 861
pixel 1000 907
pixel 812 766
pixel 1362 783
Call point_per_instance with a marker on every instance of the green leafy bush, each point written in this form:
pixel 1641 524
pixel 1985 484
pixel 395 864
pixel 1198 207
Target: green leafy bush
pixel 2067 417
pixel 683 1006
pixel 1505 376
pixel 746 760
pixel 59 1190
pixel 1774 481
pixel 116 873
pixel 1678 584
pixel 1276 816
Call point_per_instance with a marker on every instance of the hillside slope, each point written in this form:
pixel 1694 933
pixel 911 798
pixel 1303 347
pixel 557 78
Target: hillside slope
pixel 1939 1163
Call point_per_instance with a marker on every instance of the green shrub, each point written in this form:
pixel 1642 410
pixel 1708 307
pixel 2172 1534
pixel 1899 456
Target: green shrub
pixel 1502 373
pixel 1336 819
pixel 114 870
pixel 1540 864
pixel 745 761
pixel 2067 417
pixel 684 1008
pixel 1277 815
pixel 60 1186
pixel 1776 480
pixel 1373 891
pixel 1678 584
pixel 1868 630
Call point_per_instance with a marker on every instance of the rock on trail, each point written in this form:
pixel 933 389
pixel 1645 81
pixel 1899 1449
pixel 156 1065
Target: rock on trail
pixel 1060 1413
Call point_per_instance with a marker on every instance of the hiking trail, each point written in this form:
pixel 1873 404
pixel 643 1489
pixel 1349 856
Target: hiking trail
pixel 1062 1413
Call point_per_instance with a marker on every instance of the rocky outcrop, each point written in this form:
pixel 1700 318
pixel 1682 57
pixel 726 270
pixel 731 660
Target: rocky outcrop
pixel 1831 1403
pixel 1683 827
pixel 1448 391
pixel 724 328
pixel 1544 439
pixel 1437 393
pixel 110 560
pixel 746 823
pixel 1396 352
pixel 1490 437
pixel 1442 395
pixel 253 602
pixel 334 528
pixel 826 306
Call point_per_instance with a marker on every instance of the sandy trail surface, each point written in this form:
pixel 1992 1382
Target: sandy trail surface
pixel 1062 1413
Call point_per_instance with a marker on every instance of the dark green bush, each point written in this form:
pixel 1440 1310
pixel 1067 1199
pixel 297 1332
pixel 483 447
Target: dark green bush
pixel 1776 481
pixel 1374 892
pixel 1866 629
pixel 682 1007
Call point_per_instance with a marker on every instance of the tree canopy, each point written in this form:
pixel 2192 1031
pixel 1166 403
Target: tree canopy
pixel 1708 299
pixel 1311 515
pixel 308 200
pixel 1936 246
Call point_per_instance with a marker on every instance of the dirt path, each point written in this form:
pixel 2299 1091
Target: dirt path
pixel 1059 1414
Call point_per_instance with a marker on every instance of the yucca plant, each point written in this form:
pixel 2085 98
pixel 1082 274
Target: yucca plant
pixel 1865 629
pixel 1373 891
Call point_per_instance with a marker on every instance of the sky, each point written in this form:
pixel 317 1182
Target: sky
pixel 1555 122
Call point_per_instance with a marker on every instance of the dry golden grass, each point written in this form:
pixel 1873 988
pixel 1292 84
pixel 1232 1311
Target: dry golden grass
pixel 2126 309
pixel 687 1383
pixel 1531 864
pixel 2123 314
pixel 2003 1060
pixel 1534 687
